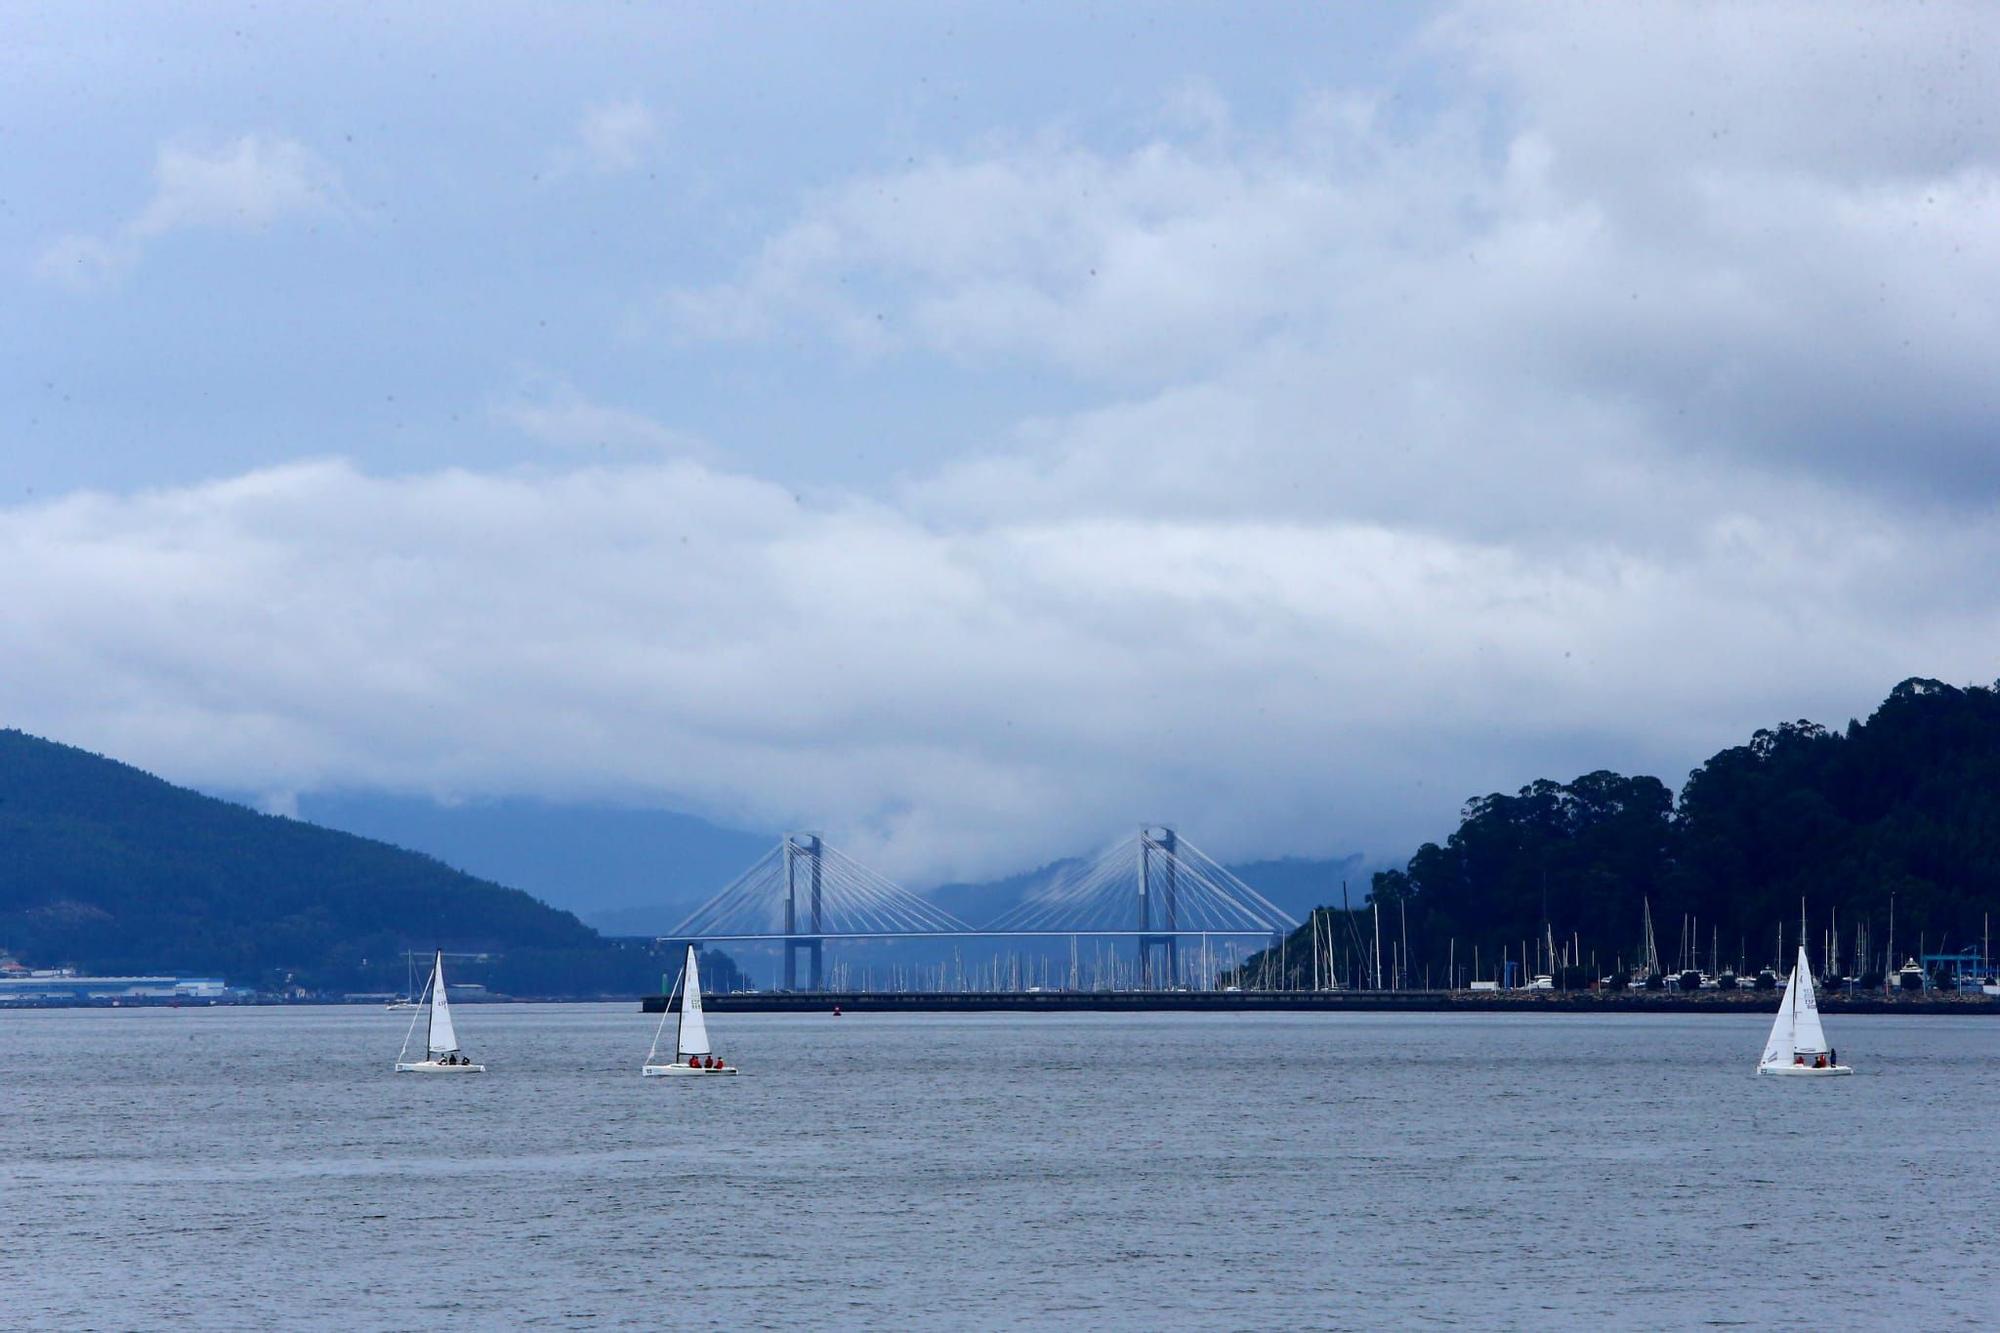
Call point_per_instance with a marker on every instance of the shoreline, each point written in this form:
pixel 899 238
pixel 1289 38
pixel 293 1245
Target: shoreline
pixel 275 1002
pixel 1032 1002
pixel 1442 1002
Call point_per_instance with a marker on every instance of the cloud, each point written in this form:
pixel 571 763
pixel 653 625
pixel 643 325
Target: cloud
pixel 247 184
pixel 1627 390
pixel 610 139
pixel 1663 91
pixel 561 416
pixel 84 263
pixel 1636 237
pixel 949 701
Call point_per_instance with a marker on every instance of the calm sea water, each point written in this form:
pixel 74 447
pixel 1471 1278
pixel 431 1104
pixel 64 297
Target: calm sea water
pixel 242 1168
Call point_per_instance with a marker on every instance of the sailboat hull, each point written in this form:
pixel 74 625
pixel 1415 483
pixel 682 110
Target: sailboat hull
pixel 433 1067
pixel 1804 1071
pixel 684 1071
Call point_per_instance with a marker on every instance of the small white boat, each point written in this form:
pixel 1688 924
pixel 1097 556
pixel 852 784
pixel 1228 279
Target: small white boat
pixel 692 1055
pixel 1797 1045
pixel 408 1000
pixel 441 1053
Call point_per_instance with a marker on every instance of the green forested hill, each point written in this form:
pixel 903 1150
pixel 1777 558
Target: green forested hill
pixel 113 870
pixel 1903 806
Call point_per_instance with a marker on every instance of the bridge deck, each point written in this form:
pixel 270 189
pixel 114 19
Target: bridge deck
pixel 971 933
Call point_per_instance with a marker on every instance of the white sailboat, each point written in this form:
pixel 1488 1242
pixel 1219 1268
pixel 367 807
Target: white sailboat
pixel 441 1053
pixel 1797 1044
pixel 692 1053
pixel 408 1001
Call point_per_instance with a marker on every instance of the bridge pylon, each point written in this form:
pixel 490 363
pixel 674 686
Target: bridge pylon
pixel 1177 889
pixel 804 856
pixel 1159 898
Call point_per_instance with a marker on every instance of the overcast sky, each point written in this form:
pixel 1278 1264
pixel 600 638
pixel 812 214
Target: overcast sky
pixel 975 430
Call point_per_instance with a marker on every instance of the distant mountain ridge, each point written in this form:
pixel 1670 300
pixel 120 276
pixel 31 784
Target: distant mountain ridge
pixel 630 872
pixel 600 862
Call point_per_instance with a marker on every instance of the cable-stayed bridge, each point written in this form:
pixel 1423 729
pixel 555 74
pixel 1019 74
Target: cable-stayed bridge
pixel 1154 887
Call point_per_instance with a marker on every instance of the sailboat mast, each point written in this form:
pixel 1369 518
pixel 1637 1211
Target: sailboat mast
pixel 430 1016
pixel 1403 906
pixel 1652 959
pixel 1378 946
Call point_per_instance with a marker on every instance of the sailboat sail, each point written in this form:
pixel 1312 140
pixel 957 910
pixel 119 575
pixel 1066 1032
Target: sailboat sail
pixel 1778 1046
pixel 693 1038
pixel 1796 1030
pixel 443 1040
pixel 1808 1037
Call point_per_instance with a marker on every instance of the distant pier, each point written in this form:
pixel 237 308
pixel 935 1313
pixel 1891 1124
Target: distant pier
pixel 1272 1001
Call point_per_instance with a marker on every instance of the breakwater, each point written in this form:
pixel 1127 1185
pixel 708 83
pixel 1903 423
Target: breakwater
pixel 1259 1001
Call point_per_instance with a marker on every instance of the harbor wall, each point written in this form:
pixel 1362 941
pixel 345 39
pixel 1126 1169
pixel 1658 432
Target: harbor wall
pixel 1254 1001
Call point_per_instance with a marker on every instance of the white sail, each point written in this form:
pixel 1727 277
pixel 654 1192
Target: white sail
pixel 1808 1037
pixel 1778 1046
pixel 693 1038
pixel 443 1040
pixel 1796 1030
